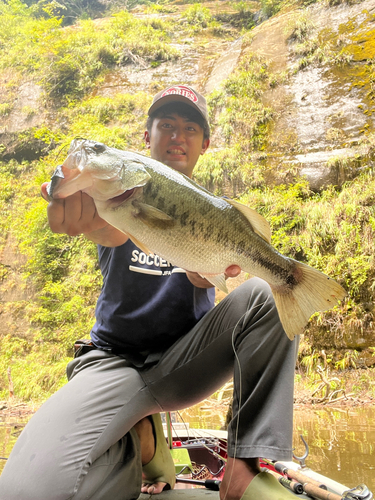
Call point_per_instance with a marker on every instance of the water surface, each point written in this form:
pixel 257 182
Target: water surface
pixel 341 441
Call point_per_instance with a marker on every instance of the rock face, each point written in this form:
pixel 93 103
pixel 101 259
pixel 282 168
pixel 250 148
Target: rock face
pixel 321 112
pixel 26 112
pixel 13 292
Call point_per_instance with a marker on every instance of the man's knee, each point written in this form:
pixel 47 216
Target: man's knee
pixel 256 294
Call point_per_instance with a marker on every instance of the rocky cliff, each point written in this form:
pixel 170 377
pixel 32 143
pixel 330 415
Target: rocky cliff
pixel 309 119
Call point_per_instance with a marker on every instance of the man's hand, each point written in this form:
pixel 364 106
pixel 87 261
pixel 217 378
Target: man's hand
pixel 197 280
pixel 76 215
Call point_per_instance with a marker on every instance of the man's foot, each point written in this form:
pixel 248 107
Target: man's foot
pixel 147 439
pixel 239 472
pixel 244 481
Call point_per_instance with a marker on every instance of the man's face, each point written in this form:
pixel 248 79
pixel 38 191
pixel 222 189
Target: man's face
pixel 177 142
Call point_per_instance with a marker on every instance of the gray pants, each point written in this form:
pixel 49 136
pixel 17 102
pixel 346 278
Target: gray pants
pixel 80 444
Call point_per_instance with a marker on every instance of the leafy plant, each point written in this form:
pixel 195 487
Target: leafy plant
pixel 347 361
pixel 5 109
pixel 300 27
pixel 198 16
pixel 270 7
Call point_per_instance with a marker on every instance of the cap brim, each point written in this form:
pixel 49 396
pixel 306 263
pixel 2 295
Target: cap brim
pixel 173 98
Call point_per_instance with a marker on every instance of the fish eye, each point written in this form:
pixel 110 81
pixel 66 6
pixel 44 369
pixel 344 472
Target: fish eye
pixel 98 147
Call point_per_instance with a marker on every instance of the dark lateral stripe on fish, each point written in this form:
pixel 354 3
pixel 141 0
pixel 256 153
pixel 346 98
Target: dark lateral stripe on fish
pixel 151 190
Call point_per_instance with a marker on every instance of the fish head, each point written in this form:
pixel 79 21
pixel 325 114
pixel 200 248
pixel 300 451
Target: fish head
pixel 98 170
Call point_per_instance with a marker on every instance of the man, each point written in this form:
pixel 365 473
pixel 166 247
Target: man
pixel 158 344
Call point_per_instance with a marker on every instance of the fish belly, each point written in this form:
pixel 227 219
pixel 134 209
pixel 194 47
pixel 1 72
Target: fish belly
pixel 203 238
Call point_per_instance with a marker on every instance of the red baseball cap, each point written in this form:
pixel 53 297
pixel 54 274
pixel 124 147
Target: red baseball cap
pixel 180 93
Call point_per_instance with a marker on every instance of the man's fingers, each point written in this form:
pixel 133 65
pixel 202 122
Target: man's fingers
pixel 56 215
pixel 43 191
pixel 73 215
pixel 90 219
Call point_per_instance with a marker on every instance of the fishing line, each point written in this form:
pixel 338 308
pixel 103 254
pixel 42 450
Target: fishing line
pixel 237 360
pixel 187 430
pixel 61 150
pixel 66 146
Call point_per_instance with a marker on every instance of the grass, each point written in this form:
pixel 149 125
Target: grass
pixel 69 61
pixel 332 230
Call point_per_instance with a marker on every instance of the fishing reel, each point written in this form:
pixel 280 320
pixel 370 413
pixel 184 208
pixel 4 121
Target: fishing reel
pixel 361 492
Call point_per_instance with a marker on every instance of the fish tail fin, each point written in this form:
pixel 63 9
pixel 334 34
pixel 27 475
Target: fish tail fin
pixel 314 292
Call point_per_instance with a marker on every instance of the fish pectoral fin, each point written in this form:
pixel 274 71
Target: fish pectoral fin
pixel 140 245
pixel 217 280
pixel 257 221
pixel 153 217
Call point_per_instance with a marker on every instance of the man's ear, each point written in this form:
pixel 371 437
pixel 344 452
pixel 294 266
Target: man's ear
pixel 147 139
pixel 206 143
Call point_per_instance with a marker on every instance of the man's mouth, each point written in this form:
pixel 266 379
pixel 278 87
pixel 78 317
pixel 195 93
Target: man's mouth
pixel 176 151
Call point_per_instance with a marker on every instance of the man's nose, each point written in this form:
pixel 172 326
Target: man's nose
pixel 178 134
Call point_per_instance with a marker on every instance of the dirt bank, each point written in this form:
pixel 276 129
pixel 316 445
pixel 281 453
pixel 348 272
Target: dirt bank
pixel 350 388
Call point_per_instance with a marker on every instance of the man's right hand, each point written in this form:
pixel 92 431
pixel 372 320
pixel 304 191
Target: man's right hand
pixel 76 215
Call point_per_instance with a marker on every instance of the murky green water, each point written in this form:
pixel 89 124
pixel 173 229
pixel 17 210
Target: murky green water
pixel 341 441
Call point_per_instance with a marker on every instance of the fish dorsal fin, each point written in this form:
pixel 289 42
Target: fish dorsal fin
pixel 217 280
pixel 257 221
pixel 140 245
pixel 153 217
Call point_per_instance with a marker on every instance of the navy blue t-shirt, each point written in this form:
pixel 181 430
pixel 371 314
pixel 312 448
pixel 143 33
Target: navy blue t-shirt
pixel 145 303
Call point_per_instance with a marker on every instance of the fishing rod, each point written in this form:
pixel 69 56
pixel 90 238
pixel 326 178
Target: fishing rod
pixel 288 483
pixel 311 490
pixel 317 489
pixel 210 484
pixel 299 483
pixel 214 484
pixel 359 493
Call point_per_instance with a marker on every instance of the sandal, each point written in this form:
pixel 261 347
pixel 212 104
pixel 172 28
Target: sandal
pixel 264 486
pixel 161 467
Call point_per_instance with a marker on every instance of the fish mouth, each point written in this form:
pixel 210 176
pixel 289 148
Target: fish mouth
pixel 121 198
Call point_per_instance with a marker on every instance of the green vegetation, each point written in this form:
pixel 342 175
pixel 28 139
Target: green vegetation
pixel 198 16
pixel 243 121
pixel 313 46
pixel 68 62
pixel 334 232
pixel 58 276
pixel 271 7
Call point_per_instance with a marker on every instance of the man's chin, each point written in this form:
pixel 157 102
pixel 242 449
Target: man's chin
pixel 180 166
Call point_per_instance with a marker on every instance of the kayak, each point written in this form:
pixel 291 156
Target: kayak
pixel 200 458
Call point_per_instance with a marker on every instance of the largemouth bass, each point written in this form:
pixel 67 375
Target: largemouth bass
pixel 164 212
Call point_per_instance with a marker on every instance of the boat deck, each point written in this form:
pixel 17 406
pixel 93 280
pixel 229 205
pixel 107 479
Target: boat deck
pixel 194 494
pixel 185 494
